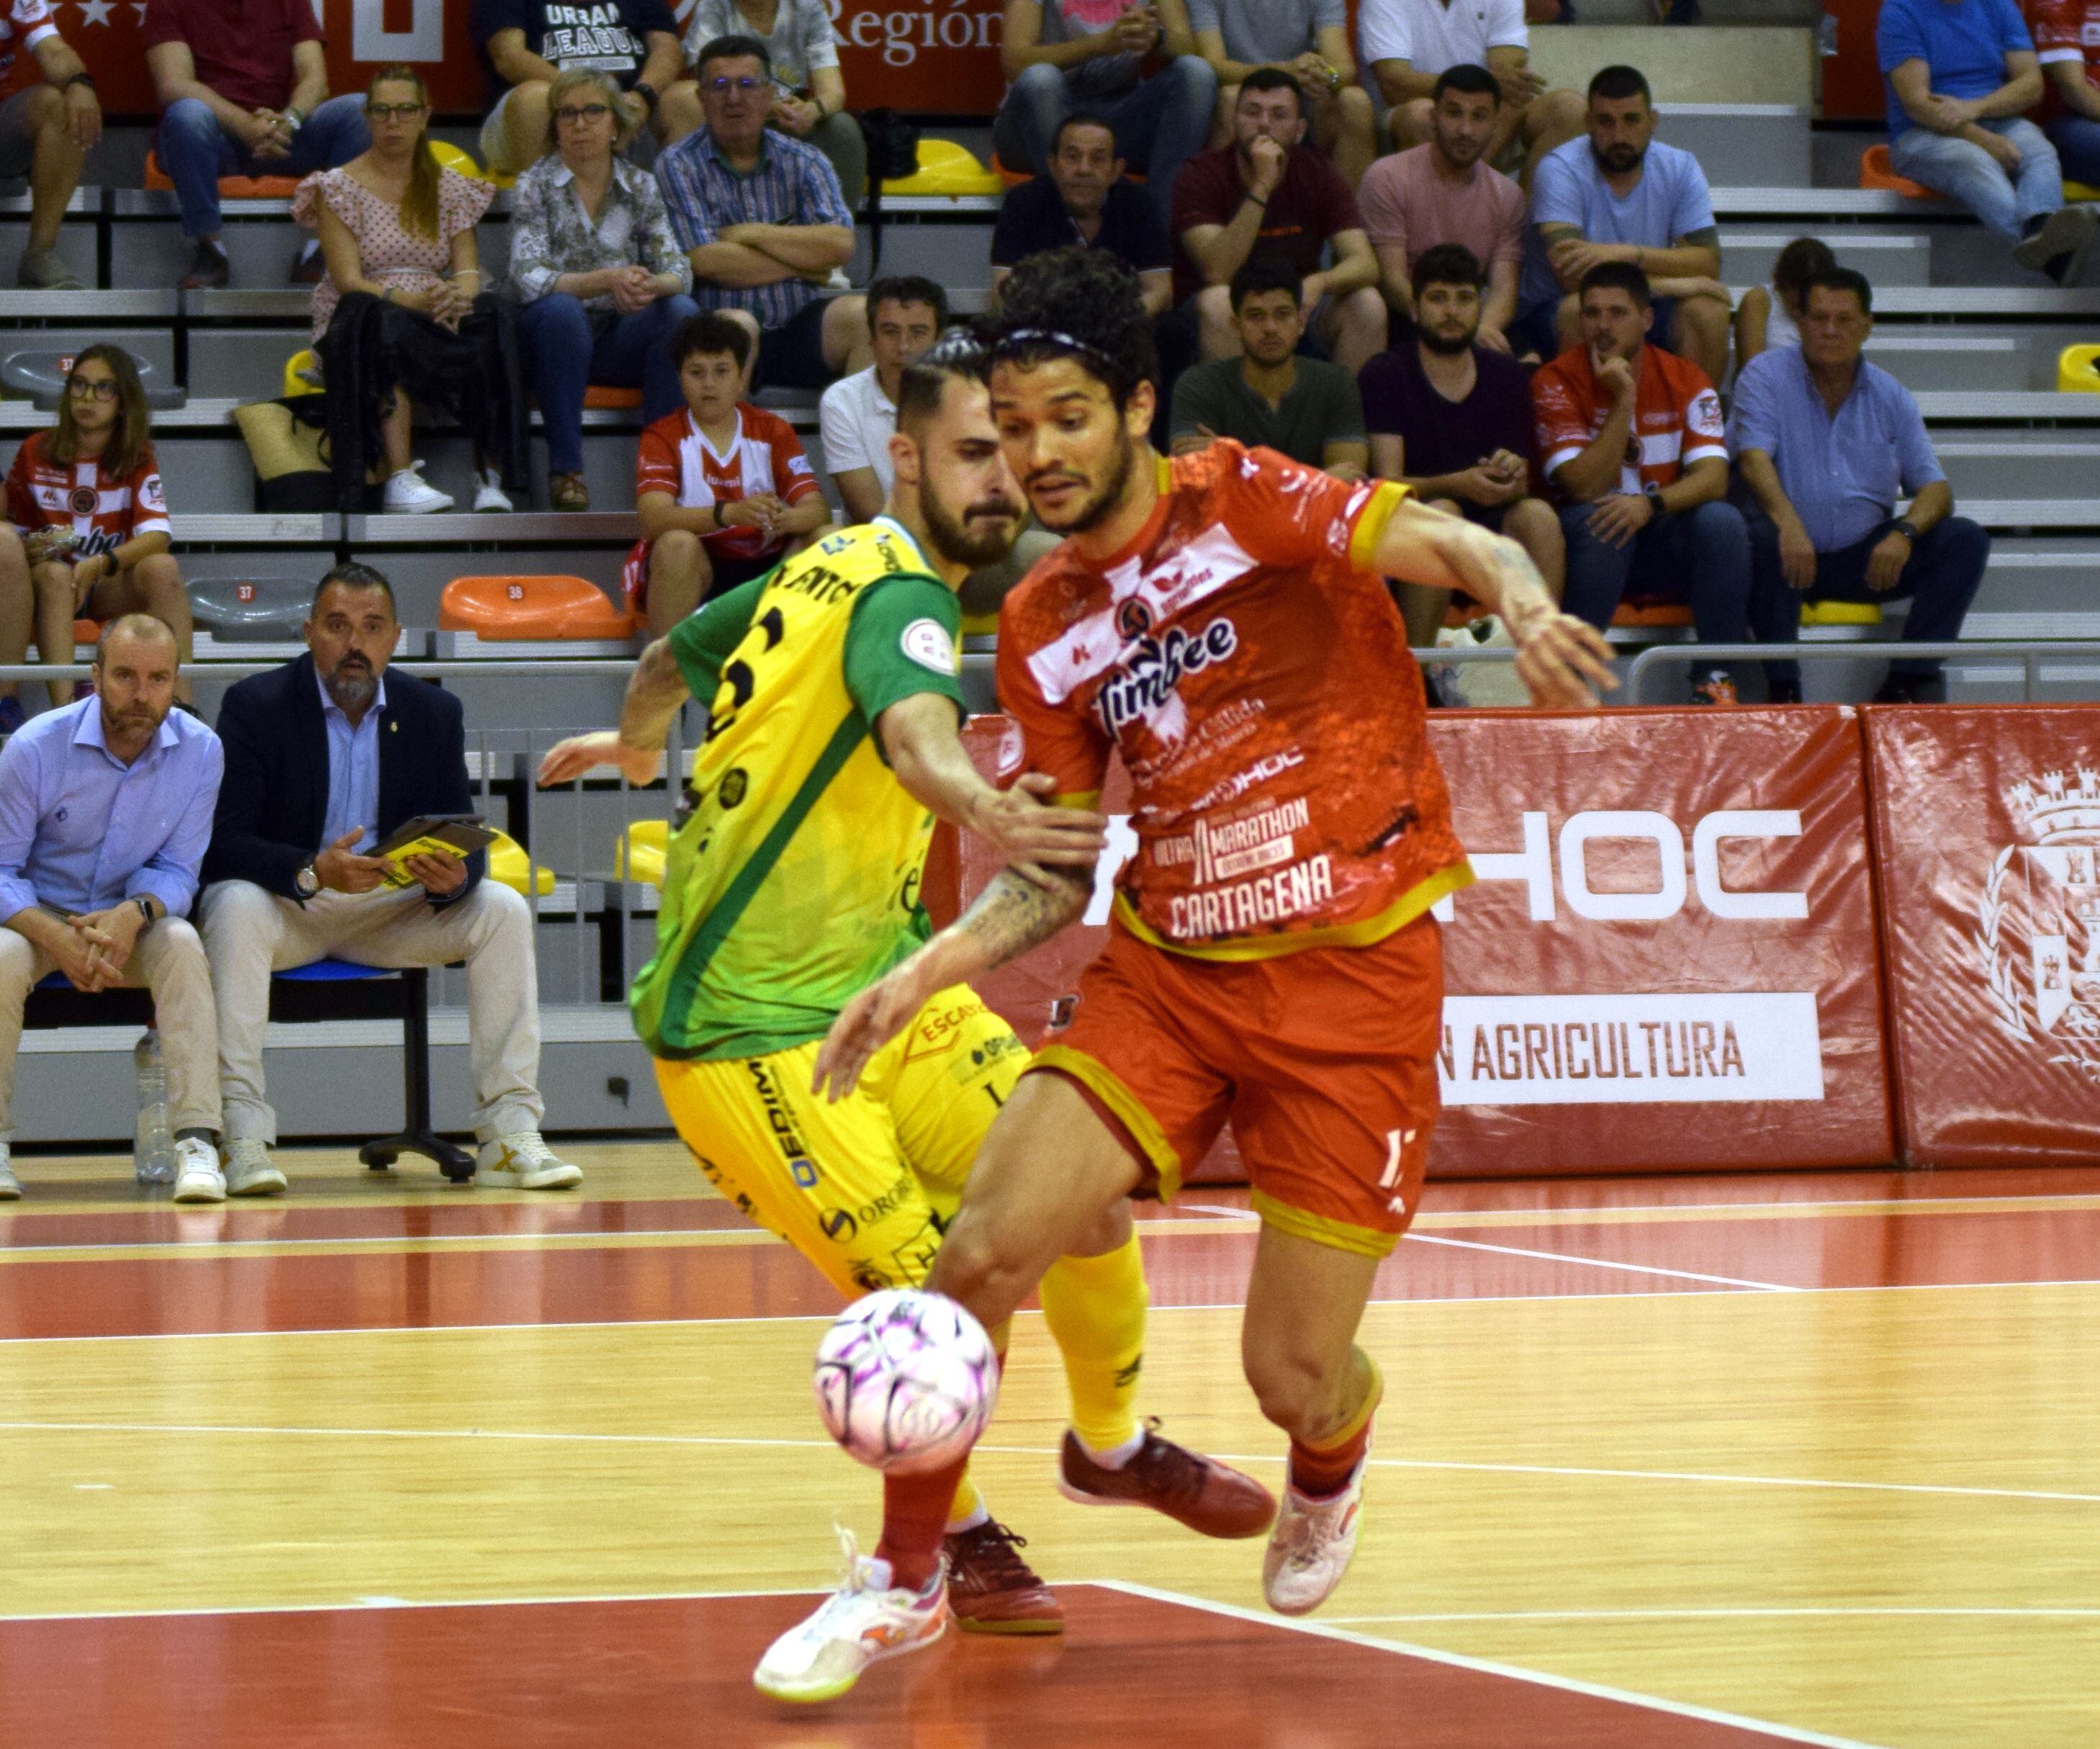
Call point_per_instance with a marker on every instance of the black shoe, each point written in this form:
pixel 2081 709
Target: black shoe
pixel 1912 689
pixel 209 270
pixel 1782 692
pixel 309 268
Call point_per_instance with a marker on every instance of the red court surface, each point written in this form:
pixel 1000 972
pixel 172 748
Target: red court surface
pixel 1132 1669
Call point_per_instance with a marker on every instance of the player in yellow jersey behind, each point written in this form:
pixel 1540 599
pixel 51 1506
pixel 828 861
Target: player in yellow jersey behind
pixel 832 744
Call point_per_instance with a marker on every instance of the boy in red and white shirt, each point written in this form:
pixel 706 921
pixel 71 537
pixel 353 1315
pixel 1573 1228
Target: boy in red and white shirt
pixel 84 498
pixel 1631 441
pixel 49 119
pixel 724 489
pixel 2066 36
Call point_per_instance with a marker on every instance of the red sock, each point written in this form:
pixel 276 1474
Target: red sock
pixel 1319 1471
pixel 914 1517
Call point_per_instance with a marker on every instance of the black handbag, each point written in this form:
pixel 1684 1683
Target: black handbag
pixel 892 152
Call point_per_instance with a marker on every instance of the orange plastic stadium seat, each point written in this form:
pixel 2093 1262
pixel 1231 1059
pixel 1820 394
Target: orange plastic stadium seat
pixel 1652 614
pixel 598 395
pixel 87 631
pixel 1874 172
pixel 555 607
pixel 230 187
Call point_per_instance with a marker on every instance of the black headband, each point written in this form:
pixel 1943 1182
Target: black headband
pixel 1020 339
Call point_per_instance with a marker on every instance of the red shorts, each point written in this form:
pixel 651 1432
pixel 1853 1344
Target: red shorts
pixel 730 569
pixel 1324 1062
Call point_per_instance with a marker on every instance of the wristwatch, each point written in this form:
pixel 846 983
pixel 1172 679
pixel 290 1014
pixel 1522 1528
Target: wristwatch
pixel 145 911
pixel 1908 529
pixel 293 120
pixel 648 92
pixel 81 77
pixel 306 883
pixel 1653 493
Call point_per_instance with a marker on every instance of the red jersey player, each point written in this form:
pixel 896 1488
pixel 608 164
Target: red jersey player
pixel 85 499
pixel 1272 962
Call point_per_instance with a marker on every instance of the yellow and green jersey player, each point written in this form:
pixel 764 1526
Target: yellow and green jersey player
pixel 832 688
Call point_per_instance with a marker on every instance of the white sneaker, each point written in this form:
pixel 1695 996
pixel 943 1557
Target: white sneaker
pixel 250 1171
pixel 523 1160
pixel 1310 1548
pixel 408 496
pixel 489 497
pixel 11 1186
pixel 862 1621
pixel 197 1176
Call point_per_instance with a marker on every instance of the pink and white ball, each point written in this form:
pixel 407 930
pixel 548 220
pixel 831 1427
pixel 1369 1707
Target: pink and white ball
pixel 905 1381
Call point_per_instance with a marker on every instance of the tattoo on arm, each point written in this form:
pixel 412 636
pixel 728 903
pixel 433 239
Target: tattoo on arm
pixel 1012 915
pixel 653 698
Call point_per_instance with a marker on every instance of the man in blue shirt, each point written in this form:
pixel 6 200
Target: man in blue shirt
pixel 1617 196
pixel 105 806
pixel 1823 443
pixel 762 217
pixel 1961 74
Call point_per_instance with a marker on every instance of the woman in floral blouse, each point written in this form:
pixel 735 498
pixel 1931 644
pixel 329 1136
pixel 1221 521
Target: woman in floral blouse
pixel 603 281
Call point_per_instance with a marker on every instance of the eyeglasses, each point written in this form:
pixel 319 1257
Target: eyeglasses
pixel 81 389
pixel 395 112
pixel 723 87
pixel 571 117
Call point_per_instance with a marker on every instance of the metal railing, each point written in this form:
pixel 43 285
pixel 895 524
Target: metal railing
pixel 2029 653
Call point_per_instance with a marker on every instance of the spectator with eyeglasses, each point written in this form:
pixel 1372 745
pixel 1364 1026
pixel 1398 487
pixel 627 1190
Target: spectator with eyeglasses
pixel 809 90
pixel 602 282
pixel 764 223
pixel 526 45
pixel 90 525
pixel 244 91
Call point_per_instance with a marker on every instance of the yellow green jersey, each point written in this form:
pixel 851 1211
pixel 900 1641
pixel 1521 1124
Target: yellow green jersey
pixel 792 879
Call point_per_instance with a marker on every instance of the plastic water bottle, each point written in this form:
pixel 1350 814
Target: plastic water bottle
pixel 153 1148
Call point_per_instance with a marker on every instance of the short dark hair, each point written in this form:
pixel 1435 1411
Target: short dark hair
pixel 734 48
pixel 1275 79
pixel 1620 275
pixel 925 380
pixel 1448 264
pixel 909 288
pixel 1474 80
pixel 1801 261
pixel 1080 303
pixel 1844 279
pixel 1264 273
pixel 1621 83
pixel 351 575
pixel 710 331
pixel 1083 118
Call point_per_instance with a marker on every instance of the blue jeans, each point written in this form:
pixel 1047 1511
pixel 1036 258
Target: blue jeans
pixel 567 348
pixel 1970 176
pixel 1159 123
pixel 1945 570
pixel 1701 556
pixel 2077 142
pixel 195 152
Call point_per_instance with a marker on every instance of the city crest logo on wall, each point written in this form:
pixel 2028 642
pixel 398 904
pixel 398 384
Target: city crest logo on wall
pixel 2043 889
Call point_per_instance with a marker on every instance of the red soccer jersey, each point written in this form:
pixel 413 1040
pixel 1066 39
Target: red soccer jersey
pixel 2065 30
pixel 23 24
pixel 1256 682
pixel 1677 415
pixel 764 458
pixel 103 510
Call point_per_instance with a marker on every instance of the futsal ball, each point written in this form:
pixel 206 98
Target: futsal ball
pixel 905 1380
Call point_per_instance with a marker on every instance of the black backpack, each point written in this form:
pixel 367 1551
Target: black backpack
pixel 892 152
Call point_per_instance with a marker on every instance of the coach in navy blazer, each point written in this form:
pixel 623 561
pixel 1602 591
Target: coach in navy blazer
pixel 325 758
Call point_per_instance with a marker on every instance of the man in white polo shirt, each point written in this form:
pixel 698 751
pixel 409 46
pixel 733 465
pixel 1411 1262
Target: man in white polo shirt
pixel 857 417
pixel 1407 43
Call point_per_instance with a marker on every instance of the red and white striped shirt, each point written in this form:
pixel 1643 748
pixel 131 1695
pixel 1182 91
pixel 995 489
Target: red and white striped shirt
pixel 1677 417
pixel 22 26
pixel 765 460
pixel 103 510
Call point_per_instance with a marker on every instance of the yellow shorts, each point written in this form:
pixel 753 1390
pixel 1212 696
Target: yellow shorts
pixel 863 1189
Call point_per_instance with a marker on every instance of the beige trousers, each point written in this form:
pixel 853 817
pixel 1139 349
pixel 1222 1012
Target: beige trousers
pixel 248 934
pixel 170 960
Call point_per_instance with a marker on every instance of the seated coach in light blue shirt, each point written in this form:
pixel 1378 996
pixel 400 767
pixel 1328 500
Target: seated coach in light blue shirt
pixel 1824 444
pixel 105 810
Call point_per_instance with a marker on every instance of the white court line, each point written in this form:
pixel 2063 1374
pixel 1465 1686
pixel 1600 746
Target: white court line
pixel 2019 1612
pixel 1487 1667
pixel 1598 1263
pixel 744 1442
pixel 370 1603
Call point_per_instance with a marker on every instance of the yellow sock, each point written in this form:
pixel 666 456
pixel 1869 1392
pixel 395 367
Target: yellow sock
pixel 1094 1307
pixel 967 1503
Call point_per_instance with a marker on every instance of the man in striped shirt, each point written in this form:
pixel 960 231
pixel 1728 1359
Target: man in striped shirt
pixel 762 216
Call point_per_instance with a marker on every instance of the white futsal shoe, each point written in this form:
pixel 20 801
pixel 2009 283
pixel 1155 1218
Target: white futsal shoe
pixel 197 1176
pixel 1311 1546
pixel 865 1619
pixel 523 1160
pixel 249 1170
pixel 11 1186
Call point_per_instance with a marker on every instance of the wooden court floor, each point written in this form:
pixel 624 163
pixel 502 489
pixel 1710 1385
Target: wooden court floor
pixel 1803 1458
